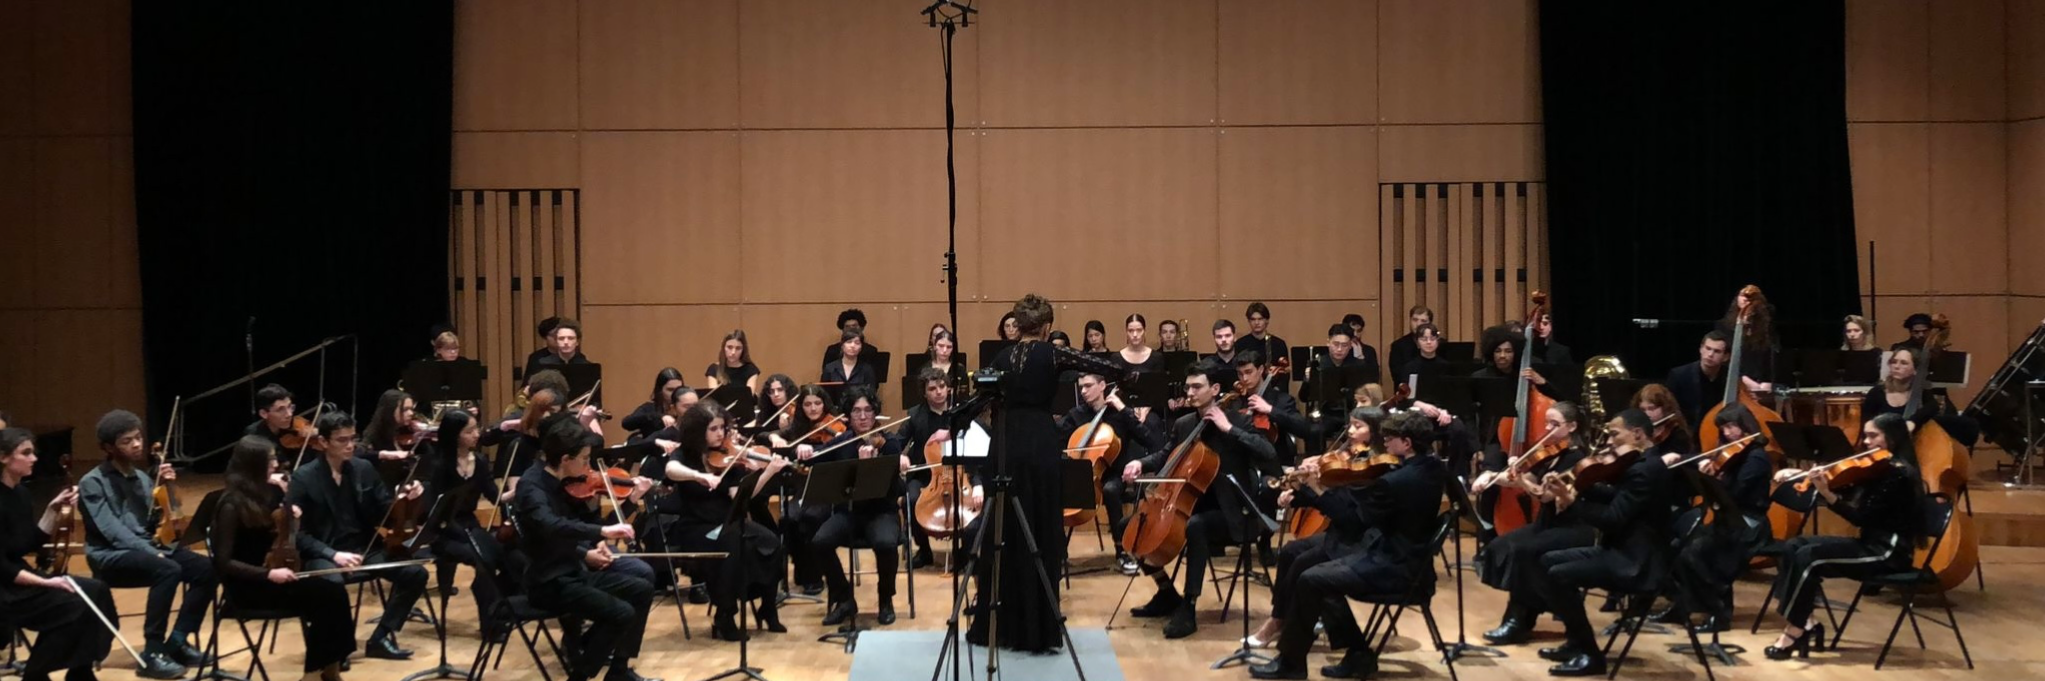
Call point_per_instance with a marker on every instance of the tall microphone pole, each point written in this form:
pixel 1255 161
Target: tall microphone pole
pixel 248 344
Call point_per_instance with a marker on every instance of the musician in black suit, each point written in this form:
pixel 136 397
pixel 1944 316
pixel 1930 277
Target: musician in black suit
pixel 1700 385
pixel 1141 433
pixel 343 501
pixel 1632 519
pixel 1222 516
pixel 1396 518
pixel 571 569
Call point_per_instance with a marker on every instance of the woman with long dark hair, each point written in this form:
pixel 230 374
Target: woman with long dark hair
pixel 1888 511
pixel 241 535
pixel 704 521
pixel 463 478
pixel 652 416
pixel 1136 356
pixel 774 394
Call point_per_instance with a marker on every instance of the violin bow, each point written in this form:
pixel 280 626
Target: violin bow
pixel 307 441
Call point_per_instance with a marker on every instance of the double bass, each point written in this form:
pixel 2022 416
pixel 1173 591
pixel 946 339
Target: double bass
pixel 1945 466
pixel 1783 522
pixel 1525 431
pixel 1157 533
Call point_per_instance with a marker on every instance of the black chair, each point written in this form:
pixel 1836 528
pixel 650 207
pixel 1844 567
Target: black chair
pixel 908 548
pixel 1938 513
pixel 1383 621
pixel 1633 616
pixel 530 622
pixel 270 629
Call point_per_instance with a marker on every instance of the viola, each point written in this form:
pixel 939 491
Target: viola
pixel 300 433
pixel 412 433
pixel 64 535
pixel 1262 422
pixel 592 483
pixel 1604 467
pixel 284 543
pixel 170 519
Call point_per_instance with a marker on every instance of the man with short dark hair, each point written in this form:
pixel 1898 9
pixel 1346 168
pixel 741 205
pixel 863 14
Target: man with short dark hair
pixel 1919 326
pixel 274 411
pixel 1260 338
pixel 1407 347
pixel 1224 343
pixel 116 498
pixel 564 347
pixel 1222 516
pixel 342 500
pixel 1700 385
pixel 1141 432
pixel 571 565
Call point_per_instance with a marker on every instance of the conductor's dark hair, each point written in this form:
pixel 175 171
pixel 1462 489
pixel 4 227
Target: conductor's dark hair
pixel 852 315
pixel 270 394
pixel 333 421
pixel 115 424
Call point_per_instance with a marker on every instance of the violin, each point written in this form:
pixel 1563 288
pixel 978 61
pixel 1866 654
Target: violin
pixel 1603 467
pixel 284 546
pixel 412 433
pixel 64 535
pixel 1847 472
pixel 593 483
pixel 299 434
pixel 720 459
pixel 170 519
pixel 830 430
pixel 1723 454
pixel 1262 422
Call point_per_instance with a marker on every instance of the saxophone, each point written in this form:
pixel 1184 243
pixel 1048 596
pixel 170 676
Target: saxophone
pixel 1601 366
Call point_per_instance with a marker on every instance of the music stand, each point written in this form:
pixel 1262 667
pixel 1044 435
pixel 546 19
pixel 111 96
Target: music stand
pixel 741 503
pixel 735 398
pixel 1148 390
pixel 1727 520
pixel 581 378
pixel 437 517
pixel 834 391
pixel 1617 391
pixel 845 482
pixel 1458 351
pixel 432 381
pixel 881 362
pixel 1455 394
pixel 1950 369
pixel 1304 356
pixel 1066 396
pixel 989 349
pixel 1563 379
pixel 1460 504
pixel 1860 367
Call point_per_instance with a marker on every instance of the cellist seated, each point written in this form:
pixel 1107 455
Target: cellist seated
pixel 115 497
pixel 1222 515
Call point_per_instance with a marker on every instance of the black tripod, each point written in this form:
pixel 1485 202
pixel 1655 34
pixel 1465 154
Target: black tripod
pixel 1000 502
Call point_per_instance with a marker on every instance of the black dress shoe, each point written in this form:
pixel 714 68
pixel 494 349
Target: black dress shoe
pixel 157 665
pixel 1714 624
pixel 812 589
pixel 841 613
pixel 1561 653
pixel 1276 669
pixel 185 654
pixel 1181 624
pixel 1358 663
pixel 1581 665
pixel 724 627
pixel 770 616
pixel 886 616
pixel 699 595
pixel 1164 603
pixel 1799 646
pixel 1509 632
pixel 922 560
pixel 385 647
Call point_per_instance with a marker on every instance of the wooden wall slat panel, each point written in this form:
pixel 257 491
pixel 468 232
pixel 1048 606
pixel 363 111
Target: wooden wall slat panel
pixel 1392 314
pixel 1459 262
pixel 1515 227
pixel 545 236
pixel 519 260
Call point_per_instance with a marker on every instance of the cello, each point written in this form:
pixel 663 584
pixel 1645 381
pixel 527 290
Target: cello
pixel 1526 430
pixel 1157 533
pixel 934 508
pixel 1099 445
pixel 1945 466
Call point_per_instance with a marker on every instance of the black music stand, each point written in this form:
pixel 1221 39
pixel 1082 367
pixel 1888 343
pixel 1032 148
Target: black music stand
pixel 1454 394
pixel 1563 379
pixel 1458 351
pixel 989 349
pixel 737 401
pixel 736 522
pixel 881 362
pixel 1950 368
pixel 1460 504
pixel 1178 361
pixel 844 482
pixel 1304 356
pixel 437 517
pixel 1150 389
pixel 432 381
pixel 1244 653
pixel 914 363
pixel 1726 518
pixel 581 379
pixel 1076 491
pixel 1613 393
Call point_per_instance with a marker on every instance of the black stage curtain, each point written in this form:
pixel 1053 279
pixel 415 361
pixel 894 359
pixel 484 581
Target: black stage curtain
pixel 291 166
pixel 1694 148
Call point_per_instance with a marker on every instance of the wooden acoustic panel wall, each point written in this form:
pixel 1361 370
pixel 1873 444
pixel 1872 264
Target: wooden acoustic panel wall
pixel 1472 252
pixel 514 260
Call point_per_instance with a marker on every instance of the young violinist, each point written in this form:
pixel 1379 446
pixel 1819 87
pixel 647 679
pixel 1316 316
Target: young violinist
pixel 244 536
pixel 1632 519
pixel 812 422
pixel 1141 432
pixel 1512 561
pixel 1171 338
pixel 773 396
pixel 1300 554
pixel 115 498
pixel 1407 347
pixel 342 499
pixel 1858 334
pixel 704 520
pixel 69 637
pixel 1134 355
pixel 850 368
pixel 1712 555
pixel 1096 336
pixel 274 413
pixel 1898 388
pixel 574 571
pixel 1221 517
pixel 1269 346
pixel 1700 385
pixel 518 437
pixel 649 418
pixel 851 320
pixel 384 440
pixel 1888 511
pixel 1403 509
pixel 1273 404
pixel 463 478
pixel 878 521
pixel 734 365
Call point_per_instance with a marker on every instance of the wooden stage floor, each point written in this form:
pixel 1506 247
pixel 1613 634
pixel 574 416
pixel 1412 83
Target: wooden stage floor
pixel 2001 625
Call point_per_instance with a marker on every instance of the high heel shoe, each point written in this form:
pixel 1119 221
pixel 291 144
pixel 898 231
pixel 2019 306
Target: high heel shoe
pixel 1800 646
pixel 726 628
pixel 770 616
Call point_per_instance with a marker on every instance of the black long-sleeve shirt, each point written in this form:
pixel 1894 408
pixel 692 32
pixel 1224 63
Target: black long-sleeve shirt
pixel 862 373
pixel 239 548
pixel 1876 403
pixel 889 449
pixel 644 421
pixel 20 535
pixel 555 526
pixel 466 493
pixel 339 516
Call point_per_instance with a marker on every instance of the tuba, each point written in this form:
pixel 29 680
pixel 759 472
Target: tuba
pixel 1601 366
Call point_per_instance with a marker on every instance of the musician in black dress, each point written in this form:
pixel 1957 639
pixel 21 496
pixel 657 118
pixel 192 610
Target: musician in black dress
pixel 1396 519
pixel 1898 389
pixel 1028 454
pixel 1512 561
pixel 1222 516
pixel 812 412
pixel 705 522
pixel 877 521
pixel 851 367
pixel 1713 554
pixel 243 532
pixel 734 365
pixel 461 479
pixel 1632 522
pixel 1135 357
pixel 69 637
pixel 1141 433
pixel 1888 510
pixel 649 418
